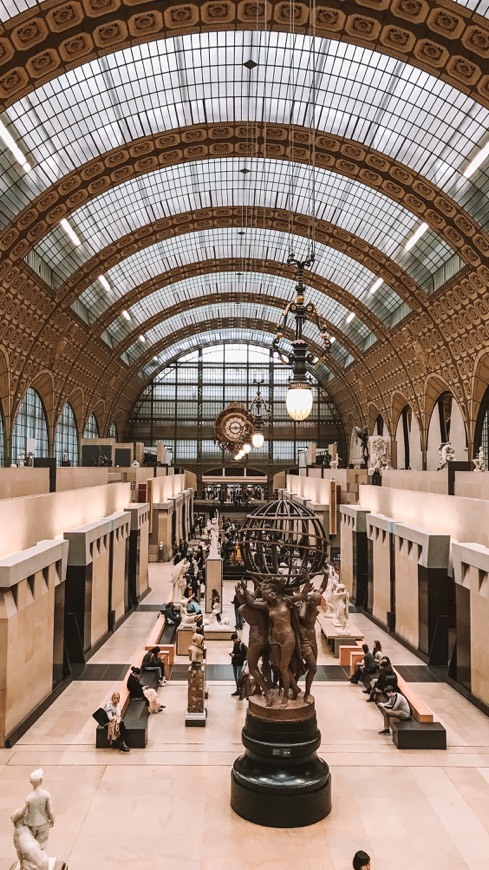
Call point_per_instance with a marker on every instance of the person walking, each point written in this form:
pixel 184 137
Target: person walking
pixel 238 658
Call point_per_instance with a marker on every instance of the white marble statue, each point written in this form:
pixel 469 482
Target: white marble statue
pixel 178 578
pixel 479 461
pixel 333 580
pixel 335 463
pixel 188 619
pixel 32 822
pixel 447 454
pixel 379 453
pixel 341 601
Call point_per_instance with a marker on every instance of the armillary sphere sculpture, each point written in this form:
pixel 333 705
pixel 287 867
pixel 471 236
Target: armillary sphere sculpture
pixel 279 781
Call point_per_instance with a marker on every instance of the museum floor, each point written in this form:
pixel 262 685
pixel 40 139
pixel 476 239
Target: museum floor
pixel 168 806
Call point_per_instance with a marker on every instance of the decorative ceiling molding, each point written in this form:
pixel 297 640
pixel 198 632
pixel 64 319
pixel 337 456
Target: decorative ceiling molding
pixel 269 267
pixel 223 298
pixel 333 153
pixel 446 40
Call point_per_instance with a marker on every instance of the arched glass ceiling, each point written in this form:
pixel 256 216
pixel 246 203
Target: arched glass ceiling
pixel 209 316
pixel 374 99
pixel 185 345
pixel 226 243
pixel 205 184
pixel 198 289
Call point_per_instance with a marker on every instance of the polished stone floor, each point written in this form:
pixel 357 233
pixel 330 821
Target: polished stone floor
pixel 168 807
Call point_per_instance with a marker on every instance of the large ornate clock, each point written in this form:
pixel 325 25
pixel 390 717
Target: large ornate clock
pixel 233 427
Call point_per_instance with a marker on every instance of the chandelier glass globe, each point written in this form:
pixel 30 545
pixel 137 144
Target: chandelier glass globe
pixel 246 448
pixel 258 440
pixel 299 400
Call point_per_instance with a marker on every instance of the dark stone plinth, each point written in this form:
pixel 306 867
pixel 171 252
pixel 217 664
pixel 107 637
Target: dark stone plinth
pixel 410 734
pixel 279 781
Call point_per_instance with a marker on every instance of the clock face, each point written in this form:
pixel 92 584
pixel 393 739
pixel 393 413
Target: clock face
pixel 233 426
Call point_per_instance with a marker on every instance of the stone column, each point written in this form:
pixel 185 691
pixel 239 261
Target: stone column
pixel 162 531
pixel 471 574
pixel 138 552
pixel 32 584
pixel 381 569
pixel 425 594
pixel 354 553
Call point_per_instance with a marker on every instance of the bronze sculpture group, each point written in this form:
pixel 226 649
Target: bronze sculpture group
pixel 282 643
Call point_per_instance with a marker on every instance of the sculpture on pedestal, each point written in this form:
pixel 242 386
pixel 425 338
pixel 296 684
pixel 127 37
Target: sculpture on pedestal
pixel 335 463
pixel 280 781
pixel 332 582
pixel 447 454
pixel 479 461
pixel 178 578
pixel 341 602
pixel 379 453
pixel 362 435
pixel 32 822
pixel 196 651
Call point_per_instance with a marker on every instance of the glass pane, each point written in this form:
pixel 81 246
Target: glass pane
pixel 30 423
pixel 66 437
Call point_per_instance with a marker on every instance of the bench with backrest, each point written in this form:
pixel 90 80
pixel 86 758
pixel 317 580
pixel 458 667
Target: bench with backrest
pixel 419 732
pixel 135 713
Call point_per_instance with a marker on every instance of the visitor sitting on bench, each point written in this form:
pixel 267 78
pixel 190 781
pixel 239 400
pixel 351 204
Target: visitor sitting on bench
pixel 172 617
pixel 377 652
pixel 116 730
pixel 396 707
pixel 143 693
pixel 152 662
pixel 368 665
pixel 387 677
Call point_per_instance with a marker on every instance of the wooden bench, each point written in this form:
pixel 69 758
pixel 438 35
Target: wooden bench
pixel 134 712
pixel 335 637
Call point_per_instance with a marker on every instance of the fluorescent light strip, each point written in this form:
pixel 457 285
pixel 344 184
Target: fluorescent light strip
pixel 105 284
pixel 13 147
pixel 378 283
pixel 416 236
pixel 70 232
pixel 126 315
pixel 477 160
pixel 350 317
pixel 142 339
pixel 332 339
pixel 156 359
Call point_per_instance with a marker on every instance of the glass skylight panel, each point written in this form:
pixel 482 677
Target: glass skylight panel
pixel 199 78
pixel 190 187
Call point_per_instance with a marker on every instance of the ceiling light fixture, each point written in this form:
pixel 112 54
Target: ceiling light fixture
pixel 126 315
pixel 378 283
pixel 416 236
pixel 477 161
pixel 11 144
pixel 142 339
pixel 260 411
pixel 350 317
pixel 70 232
pixel 105 284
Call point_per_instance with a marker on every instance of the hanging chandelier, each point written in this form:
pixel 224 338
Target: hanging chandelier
pixel 260 410
pixel 299 394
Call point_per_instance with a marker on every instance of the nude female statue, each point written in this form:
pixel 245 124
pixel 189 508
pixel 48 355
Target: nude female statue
pixel 281 636
pixel 308 611
pixel 258 644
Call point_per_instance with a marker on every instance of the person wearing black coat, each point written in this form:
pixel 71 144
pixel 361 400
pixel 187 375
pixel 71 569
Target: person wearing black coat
pixel 387 677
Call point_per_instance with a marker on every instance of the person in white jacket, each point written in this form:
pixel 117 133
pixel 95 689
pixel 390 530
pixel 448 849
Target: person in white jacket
pixel 396 707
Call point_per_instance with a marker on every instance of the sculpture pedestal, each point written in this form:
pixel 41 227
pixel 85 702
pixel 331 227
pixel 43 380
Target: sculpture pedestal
pixel 279 781
pixel 196 711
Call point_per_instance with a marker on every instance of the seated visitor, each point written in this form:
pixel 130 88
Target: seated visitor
pixel 377 652
pixel 368 665
pixel 387 677
pixel 192 606
pixel 143 693
pixel 152 662
pixel 396 707
pixel 171 615
pixel 116 730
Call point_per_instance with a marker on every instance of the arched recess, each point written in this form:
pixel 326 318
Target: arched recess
pixel 66 444
pixel 480 383
pixel 481 433
pixel 91 429
pixel 113 431
pixel 30 430
pixel 3 446
pixel 377 424
pixel 408 440
pixel 446 424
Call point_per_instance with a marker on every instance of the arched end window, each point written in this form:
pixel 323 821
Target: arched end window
pixel 91 427
pixel 30 424
pixel 66 437
pixel 379 425
pixel 2 440
pixel 113 431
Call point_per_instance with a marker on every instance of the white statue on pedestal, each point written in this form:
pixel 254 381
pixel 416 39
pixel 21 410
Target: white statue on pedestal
pixel 178 578
pixel 335 463
pixel 32 822
pixel 379 453
pixel 479 461
pixel 333 580
pixel 341 601
pixel 447 454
